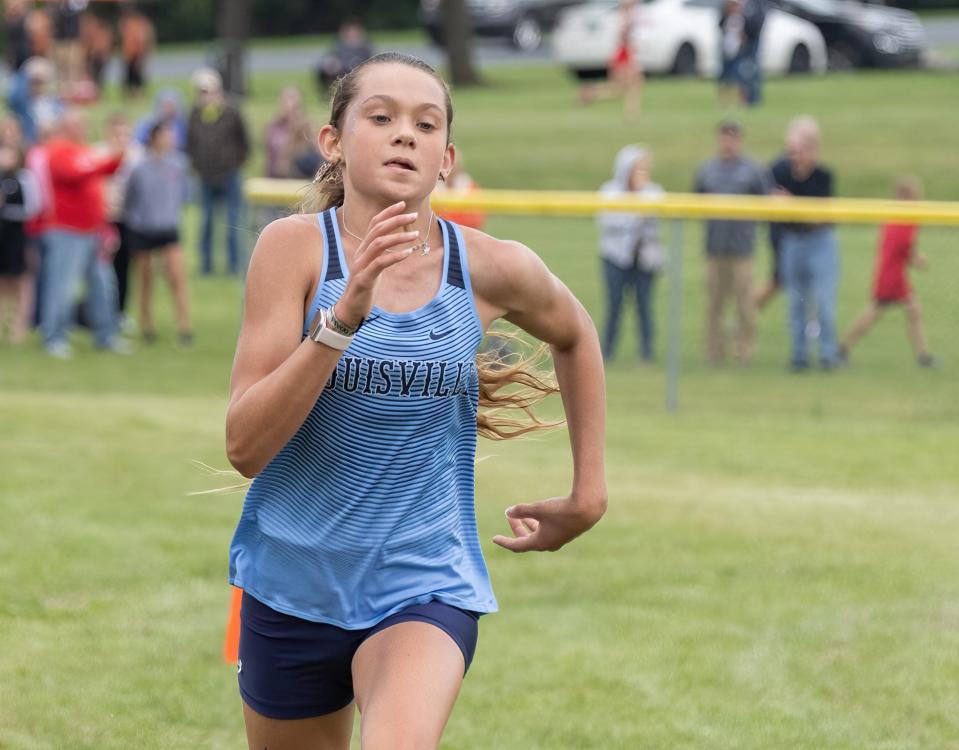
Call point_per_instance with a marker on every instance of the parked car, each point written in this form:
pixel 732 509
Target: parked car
pixel 859 34
pixel 521 22
pixel 681 37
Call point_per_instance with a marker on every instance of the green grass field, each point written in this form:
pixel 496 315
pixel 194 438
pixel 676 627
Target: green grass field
pixel 779 565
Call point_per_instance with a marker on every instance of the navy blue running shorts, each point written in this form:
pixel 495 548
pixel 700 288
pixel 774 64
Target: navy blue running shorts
pixel 290 668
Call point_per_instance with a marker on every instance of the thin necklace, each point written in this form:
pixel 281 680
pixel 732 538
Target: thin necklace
pixel 423 247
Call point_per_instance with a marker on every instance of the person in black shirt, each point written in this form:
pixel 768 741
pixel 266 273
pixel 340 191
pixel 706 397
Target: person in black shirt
pixel 18 48
pixel 352 47
pixel 67 50
pixel 810 253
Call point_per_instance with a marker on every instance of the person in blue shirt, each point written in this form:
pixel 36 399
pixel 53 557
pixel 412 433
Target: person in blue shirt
pixel 356 397
pixel 31 97
pixel 167 109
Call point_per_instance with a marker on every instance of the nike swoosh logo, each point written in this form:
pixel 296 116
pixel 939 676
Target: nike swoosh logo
pixel 436 336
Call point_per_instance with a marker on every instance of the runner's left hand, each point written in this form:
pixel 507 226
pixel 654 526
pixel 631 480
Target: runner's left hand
pixel 548 525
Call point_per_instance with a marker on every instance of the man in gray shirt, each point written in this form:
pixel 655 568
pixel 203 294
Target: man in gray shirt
pixel 730 245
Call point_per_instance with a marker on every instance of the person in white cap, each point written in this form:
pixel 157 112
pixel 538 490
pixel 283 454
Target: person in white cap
pixel 218 146
pixel 31 97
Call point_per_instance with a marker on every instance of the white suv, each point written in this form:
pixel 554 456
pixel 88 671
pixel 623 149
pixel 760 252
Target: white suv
pixel 680 36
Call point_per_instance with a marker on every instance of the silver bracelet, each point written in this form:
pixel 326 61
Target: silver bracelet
pixel 338 325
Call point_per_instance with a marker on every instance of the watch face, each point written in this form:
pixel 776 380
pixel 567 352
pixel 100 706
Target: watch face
pixel 318 323
pixel 322 332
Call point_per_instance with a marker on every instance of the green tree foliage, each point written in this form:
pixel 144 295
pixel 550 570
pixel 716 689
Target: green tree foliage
pixel 188 20
pixel 183 20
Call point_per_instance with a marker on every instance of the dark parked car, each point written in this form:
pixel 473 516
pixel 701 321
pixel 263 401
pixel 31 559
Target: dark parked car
pixel 860 34
pixel 521 22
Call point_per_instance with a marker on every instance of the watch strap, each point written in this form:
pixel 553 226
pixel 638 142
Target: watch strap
pixel 322 333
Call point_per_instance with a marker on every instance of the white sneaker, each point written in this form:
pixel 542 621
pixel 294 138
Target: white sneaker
pixel 128 324
pixel 117 346
pixel 59 350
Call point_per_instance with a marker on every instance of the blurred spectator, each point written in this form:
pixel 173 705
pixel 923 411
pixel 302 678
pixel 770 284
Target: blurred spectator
pixel 459 181
pixel 39 27
pixel 741 23
pixel 152 212
pixel 67 48
pixel 810 251
pixel 19 202
pixel 730 245
pixel 137 38
pixel 218 146
pixel 897 250
pixel 765 295
pixel 168 109
pixel 625 68
pixel 72 240
pixel 352 47
pixel 96 38
pixel 11 134
pixel 750 68
pixel 288 137
pixel 119 139
pixel 732 36
pixel 31 97
pixel 38 164
pixel 631 250
pixel 18 48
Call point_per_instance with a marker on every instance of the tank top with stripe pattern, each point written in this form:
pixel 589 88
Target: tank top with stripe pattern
pixel 369 507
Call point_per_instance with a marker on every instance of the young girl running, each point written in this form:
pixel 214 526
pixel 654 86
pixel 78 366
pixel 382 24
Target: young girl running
pixel 354 404
pixel 624 67
pixel 897 251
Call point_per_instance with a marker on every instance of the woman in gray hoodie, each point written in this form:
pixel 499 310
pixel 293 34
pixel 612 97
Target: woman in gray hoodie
pixel 630 248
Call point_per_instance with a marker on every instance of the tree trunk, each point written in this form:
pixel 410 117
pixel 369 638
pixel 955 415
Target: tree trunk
pixel 232 30
pixel 458 38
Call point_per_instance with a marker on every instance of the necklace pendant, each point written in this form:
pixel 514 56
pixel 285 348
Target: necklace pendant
pixel 425 247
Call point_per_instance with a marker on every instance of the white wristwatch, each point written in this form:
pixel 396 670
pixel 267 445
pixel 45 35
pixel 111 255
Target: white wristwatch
pixel 322 333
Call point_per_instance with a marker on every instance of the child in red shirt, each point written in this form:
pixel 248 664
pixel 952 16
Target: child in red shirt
pixel 891 287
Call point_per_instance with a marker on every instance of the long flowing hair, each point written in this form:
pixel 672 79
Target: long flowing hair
pixel 513 375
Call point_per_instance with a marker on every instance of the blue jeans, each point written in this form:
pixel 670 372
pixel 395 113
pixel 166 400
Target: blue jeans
pixel 67 257
pixel 811 275
pixel 750 73
pixel 617 280
pixel 212 194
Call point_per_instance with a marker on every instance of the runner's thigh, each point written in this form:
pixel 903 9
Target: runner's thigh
pixel 406 679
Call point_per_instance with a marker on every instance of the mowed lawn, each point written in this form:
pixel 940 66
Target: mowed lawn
pixel 779 565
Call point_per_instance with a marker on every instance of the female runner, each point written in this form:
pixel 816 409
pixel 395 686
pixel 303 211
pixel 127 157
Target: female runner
pixel 354 405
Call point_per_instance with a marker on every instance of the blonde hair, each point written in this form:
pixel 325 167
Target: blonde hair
pixel 510 383
pixel 805 128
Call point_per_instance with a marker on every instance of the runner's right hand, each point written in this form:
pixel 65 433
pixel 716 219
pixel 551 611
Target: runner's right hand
pixel 383 246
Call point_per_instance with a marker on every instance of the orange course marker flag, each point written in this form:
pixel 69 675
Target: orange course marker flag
pixel 231 640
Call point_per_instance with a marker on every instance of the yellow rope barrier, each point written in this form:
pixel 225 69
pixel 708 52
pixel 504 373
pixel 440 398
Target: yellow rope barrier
pixel 263 191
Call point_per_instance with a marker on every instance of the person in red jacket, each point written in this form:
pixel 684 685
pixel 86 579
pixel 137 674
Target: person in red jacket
pixel 897 250
pixel 72 238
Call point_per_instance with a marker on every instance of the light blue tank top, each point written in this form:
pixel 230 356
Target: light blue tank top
pixel 369 507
